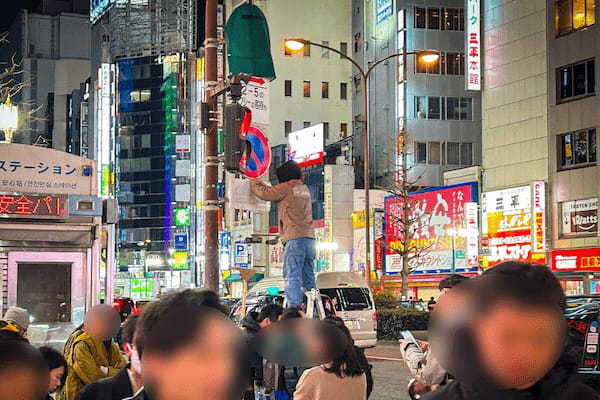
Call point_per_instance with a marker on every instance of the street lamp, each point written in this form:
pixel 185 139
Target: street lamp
pixel 295 45
pixel 9 119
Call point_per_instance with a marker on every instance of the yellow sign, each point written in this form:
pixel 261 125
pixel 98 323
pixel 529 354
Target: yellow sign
pixel 359 220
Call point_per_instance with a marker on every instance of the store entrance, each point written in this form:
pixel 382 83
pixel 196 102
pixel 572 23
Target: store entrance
pixel 44 289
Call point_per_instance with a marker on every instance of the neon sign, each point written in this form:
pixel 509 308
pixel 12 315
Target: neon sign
pixel 17 205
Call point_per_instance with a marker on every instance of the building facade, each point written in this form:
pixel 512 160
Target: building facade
pixel 427 102
pixel 53 66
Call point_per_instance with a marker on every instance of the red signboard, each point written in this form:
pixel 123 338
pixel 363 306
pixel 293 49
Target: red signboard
pixel 435 212
pixel 576 260
pixel 33 206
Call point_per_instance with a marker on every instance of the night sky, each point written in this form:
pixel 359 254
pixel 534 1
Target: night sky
pixel 10 9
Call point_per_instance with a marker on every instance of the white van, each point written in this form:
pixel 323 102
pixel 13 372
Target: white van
pixel 350 295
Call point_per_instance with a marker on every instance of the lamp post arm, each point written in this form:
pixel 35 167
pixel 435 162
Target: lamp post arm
pixel 372 67
pixel 357 65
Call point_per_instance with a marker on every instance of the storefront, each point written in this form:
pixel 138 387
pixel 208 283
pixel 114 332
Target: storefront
pixel 50 234
pixel 578 270
pixel 443 237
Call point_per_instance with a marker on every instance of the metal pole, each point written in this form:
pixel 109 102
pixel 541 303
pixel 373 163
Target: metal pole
pixel 211 163
pixel 367 183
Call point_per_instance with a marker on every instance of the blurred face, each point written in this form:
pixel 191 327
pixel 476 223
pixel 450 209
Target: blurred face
pixel 103 325
pixel 56 375
pixel 205 369
pixel 518 345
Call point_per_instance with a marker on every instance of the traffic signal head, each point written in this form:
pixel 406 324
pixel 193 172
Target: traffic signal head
pixel 237 120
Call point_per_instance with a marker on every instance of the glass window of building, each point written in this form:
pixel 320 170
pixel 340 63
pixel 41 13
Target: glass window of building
pixel 420 153
pixel 433 109
pixel 465 106
pixel 577 149
pixel 306 51
pixel 343 91
pixel 453 153
pixel 306 88
pixel 325 129
pixel 451 19
pixel 421 107
pixel 343 48
pixel 325 90
pixel 325 52
pixel 576 80
pixel 572 15
pixel 466 153
pixel 287 127
pixel 434 153
pixel 288 88
pixel 420 17
pixel 433 18
pixel 344 130
pixel 453 61
pixel 306 124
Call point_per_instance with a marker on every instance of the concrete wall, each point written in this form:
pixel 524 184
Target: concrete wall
pixel 580 183
pixel 515 134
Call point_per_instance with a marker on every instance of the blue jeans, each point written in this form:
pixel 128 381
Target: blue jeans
pixel 299 268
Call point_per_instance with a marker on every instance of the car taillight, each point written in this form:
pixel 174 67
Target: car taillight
pixel 374 319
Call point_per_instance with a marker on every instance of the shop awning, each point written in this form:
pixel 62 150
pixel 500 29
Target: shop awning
pixel 237 278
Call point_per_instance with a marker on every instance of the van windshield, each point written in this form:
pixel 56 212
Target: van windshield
pixel 349 299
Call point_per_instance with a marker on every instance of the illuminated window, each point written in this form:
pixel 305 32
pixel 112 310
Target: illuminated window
pixel 344 130
pixel 325 90
pixel 577 149
pixel 571 15
pixel 306 88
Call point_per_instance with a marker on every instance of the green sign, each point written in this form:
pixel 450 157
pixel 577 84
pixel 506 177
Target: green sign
pixel 182 217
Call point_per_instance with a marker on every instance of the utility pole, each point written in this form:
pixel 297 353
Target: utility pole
pixel 211 162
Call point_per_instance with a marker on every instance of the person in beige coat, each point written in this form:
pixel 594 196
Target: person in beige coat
pixel 343 378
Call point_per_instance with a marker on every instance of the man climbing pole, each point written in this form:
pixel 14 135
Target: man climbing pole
pixel 294 208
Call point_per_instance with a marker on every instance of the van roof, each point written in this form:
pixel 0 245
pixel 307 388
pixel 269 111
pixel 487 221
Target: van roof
pixel 340 279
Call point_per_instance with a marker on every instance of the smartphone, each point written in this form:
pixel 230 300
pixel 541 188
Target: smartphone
pixel 407 335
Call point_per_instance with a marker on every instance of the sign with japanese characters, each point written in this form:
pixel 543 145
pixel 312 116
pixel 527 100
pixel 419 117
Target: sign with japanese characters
pixel 32 169
pixel 513 224
pixel 24 205
pixel 473 65
pixel 576 260
pixel 385 9
pixel 434 215
pixel 256 98
pixel 579 217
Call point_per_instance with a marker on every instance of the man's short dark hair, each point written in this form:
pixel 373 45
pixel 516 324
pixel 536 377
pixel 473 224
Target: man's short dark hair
pixel 291 313
pixel 129 326
pixel 271 311
pixel 288 171
pixel 531 285
pixel 169 324
pixel 451 281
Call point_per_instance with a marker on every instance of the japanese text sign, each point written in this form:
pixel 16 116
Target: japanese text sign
pixel 33 169
pixel 473 66
pixel 23 205
pixel 576 260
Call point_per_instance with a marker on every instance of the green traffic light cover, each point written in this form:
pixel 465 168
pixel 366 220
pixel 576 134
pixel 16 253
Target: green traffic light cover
pixel 248 43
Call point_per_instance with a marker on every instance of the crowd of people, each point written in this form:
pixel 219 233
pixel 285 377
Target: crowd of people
pixel 498 336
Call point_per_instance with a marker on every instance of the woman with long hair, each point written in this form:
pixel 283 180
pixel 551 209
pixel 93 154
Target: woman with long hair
pixel 341 378
pixel 57 366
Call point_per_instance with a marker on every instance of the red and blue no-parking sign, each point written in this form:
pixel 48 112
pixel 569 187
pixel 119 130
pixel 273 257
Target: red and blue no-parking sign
pixel 257 163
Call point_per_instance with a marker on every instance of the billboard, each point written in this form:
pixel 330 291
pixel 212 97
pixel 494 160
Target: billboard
pixel 579 217
pixel 436 213
pixel 513 224
pixel 473 64
pixel 306 146
pixel 576 260
pixel 99 7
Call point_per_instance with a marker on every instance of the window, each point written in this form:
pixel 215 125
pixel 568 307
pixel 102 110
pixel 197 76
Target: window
pixel 452 153
pixel 325 130
pixel 576 80
pixel 325 52
pixel 451 19
pixel 433 108
pixel 466 153
pixel 421 107
pixel 343 91
pixel 421 153
pixel 306 50
pixel 357 42
pixel 288 88
pixel 306 88
pixel 455 64
pixel 344 130
pixel 343 48
pixel 433 18
pixel 324 90
pixel 420 17
pixel 447 64
pixel 306 124
pixel 571 15
pixel 577 149
pixel 434 153
pixel 287 128
pixel 465 107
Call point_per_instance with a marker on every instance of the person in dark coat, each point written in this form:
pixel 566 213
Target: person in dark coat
pixel 251 325
pixel 127 381
pixel 508 341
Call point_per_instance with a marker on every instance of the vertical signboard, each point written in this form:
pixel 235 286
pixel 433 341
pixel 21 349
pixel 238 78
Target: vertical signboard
pixel 105 128
pixel 538 239
pixel 472 234
pixel 473 67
